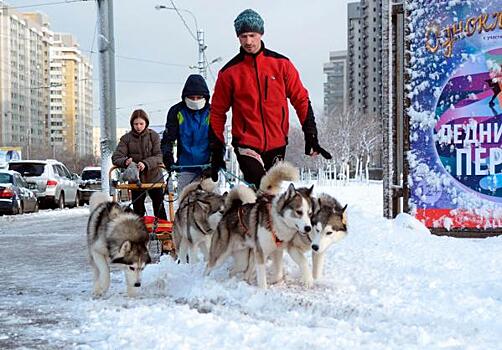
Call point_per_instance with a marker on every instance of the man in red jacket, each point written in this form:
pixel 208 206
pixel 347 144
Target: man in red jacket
pixel 256 84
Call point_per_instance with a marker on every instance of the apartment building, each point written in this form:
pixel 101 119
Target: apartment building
pixel 354 56
pixel 45 87
pixel 367 29
pixel 70 97
pixel 372 32
pixel 25 39
pixel 335 87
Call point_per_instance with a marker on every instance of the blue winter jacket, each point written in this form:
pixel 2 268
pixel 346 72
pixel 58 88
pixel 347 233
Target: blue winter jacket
pixel 188 128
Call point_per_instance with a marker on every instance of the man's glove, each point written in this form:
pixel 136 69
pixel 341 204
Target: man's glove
pixel 312 145
pixel 217 161
pixel 168 160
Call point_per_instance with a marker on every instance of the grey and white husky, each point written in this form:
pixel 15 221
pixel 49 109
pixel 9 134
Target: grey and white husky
pixel 115 235
pixel 265 226
pixel 200 209
pixel 330 226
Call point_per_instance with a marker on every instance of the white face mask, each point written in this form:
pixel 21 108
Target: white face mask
pixel 195 105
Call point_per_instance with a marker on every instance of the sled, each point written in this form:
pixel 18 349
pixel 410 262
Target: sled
pixel 160 230
pixel 161 234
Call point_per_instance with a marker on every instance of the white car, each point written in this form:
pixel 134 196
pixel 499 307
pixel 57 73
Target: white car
pixel 54 184
pixel 90 182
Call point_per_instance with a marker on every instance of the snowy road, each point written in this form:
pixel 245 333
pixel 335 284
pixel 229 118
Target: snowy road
pixel 388 285
pixel 43 264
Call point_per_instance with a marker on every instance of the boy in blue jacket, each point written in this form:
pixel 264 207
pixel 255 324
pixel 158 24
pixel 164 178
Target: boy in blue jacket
pixel 188 124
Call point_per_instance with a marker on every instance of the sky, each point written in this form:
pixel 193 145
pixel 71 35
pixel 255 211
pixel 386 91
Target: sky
pixel 304 31
pixel 389 284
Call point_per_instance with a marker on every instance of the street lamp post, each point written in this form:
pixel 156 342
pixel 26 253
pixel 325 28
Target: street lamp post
pixel 199 38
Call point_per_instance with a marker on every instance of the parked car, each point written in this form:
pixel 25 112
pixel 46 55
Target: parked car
pixel 54 184
pixel 15 196
pixel 90 182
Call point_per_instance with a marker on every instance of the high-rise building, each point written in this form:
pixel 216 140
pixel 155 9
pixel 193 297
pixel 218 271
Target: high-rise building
pixel 335 87
pixel 354 56
pixel 70 97
pixel 45 86
pixel 25 39
pixel 372 30
pixel 365 58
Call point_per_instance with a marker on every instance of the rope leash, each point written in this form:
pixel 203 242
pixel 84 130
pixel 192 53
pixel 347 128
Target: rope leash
pixel 229 176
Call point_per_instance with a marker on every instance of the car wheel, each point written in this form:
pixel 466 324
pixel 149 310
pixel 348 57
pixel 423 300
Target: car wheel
pixel 17 209
pixel 77 200
pixel 60 203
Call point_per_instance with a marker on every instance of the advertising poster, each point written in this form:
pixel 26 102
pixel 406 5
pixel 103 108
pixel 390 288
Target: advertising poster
pixel 455 112
pixel 9 153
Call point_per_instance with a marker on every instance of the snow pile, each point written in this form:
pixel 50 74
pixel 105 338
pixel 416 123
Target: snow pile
pixel 389 284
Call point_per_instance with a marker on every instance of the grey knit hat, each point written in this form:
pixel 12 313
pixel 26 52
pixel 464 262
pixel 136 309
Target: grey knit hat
pixel 248 21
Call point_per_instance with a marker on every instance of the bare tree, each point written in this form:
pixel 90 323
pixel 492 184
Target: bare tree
pixel 370 140
pixel 351 137
pixel 74 163
pixel 296 149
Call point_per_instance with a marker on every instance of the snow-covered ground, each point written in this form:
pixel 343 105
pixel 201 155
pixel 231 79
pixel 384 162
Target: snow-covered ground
pixel 388 285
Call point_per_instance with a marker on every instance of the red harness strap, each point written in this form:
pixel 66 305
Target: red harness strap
pixel 270 226
pixel 240 214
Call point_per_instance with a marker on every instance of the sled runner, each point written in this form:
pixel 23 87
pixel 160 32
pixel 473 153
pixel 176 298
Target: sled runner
pixel 161 239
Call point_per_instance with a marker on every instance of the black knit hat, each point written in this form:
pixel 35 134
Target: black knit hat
pixel 249 21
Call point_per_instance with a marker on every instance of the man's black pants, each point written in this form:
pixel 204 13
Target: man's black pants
pixel 251 167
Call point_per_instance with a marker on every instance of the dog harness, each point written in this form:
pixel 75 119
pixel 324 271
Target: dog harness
pixel 240 215
pixel 270 226
pixel 267 200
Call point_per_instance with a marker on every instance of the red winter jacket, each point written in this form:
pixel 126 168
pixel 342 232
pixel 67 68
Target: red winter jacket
pixel 257 87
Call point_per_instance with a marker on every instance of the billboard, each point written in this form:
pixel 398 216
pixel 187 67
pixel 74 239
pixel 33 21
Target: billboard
pixel 9 153
pixel 455 113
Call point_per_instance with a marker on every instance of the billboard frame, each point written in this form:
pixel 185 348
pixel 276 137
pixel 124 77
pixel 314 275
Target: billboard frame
pixel 397 191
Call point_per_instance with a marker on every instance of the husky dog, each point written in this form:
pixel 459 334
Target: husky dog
pixel 200 209
pixel 244 258
pixel 115 236
pixel 330 226
pixel 131 174
pixel 265 226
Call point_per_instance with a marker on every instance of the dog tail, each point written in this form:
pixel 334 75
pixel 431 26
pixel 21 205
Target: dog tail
pixel 239 195
pixel 207 185
pixel 97 198
pixel 283 171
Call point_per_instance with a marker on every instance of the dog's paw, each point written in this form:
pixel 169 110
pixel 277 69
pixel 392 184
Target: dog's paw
pixel 276 278
pixel 308 281
pixel 97 293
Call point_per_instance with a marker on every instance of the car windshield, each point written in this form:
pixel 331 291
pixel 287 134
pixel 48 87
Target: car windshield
pixel 91 175
pixel 28 169
pixel 5 178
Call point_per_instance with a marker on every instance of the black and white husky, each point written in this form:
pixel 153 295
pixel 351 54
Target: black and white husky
pixel 200 209
pixel 266 226
pixel 329 223
pixel 115 236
